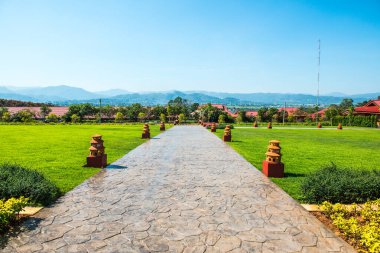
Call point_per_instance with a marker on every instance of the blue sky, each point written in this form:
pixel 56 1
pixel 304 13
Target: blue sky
pixel 214 45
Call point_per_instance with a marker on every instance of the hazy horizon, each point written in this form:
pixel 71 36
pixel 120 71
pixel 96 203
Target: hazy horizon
pixel 215 46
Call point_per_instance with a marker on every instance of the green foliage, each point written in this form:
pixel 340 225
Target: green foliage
pixel 6 116
pixel 181 118
pixel 141 116
pixel 221 119
pixel 119 117
pixel 342 185
pixel 359 224
pixel 163 117
pixel 75 118
pixel 81 111
pixel 17 181
pixel 9 210
pixel 52 118
pixel 23 116
pixel 360 121
pixel 45 110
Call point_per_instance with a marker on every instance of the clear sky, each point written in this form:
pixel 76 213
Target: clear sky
pixel 214 45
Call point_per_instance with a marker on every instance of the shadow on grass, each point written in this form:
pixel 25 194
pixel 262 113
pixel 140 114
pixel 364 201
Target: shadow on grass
pixel 23 225
pixel 290 174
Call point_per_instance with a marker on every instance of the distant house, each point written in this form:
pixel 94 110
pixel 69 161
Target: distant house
pixel 295 112
pixel 321 114
pixel 251 114
pixel 59 111
pixel 225 109
pixel 369 109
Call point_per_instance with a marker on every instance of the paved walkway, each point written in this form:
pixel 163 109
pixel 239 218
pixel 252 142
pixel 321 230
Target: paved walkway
pixel 183 191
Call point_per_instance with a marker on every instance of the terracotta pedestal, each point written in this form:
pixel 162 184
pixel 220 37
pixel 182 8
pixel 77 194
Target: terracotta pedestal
pixel 273 169
pixel 145 135
pixel 97 161
pixel 227 138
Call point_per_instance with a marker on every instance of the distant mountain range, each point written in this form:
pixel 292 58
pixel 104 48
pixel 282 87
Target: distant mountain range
pixel 65 95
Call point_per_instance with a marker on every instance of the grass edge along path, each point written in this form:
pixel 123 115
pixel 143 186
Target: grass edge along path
pixel 59 151
pixel 305 151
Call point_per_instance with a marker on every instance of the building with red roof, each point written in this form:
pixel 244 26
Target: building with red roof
pixel 321 113
pixel 251 114
pixel 225 109
pixel 59 111
pixel 371 108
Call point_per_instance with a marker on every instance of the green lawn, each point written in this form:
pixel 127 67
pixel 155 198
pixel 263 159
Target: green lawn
pixel 305 150
pixel 60 151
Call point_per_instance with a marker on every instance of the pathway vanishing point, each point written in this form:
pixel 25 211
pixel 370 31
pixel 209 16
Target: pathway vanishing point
pixel 183 191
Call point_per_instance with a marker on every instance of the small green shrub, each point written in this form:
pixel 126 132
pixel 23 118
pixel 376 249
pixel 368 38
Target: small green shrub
pixel 16 181
pixel 344 185
pixel 9 210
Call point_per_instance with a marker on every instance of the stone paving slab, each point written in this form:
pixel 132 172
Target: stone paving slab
pixel 183 191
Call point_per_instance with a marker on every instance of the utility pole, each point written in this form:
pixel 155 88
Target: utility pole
pixel 283 114
pixel 100 110
pixel 319 66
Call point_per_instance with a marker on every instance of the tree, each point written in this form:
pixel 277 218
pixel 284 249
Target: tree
pixel 239 119
pixel 51 118
pixel 181 118
pixel 75 118
pixel 6 117
pixel 157 111
pixel 221 119
pixel 134 110
pixel 346 103
pixel 331 113
pixel 23 116
pixel 119 117
pixel 2 111
pixel 108 111
pixel 163 117
pixel 262 113
pixel 141 116
pixel 271 113
pixel 45 110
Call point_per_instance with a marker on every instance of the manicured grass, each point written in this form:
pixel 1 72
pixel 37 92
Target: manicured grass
pixel 60 151
pixel 306 150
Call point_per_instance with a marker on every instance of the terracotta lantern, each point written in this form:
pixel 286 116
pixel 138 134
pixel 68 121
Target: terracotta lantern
pixel 340 126
pixel 272 165
pixel 146 132
pixel 269 125
pixel 162 126
pixel 97 157
pixel 255 124
pixel 319 125
pixel 227 134
pixel 213 127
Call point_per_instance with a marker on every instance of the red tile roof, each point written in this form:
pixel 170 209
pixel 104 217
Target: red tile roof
pixel 251 114
pixel 59 111
pixel 372 107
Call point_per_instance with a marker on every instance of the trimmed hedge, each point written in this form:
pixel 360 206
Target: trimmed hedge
pixel 341 185
pixel 16 181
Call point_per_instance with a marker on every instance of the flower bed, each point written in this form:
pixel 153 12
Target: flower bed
pixel 359 225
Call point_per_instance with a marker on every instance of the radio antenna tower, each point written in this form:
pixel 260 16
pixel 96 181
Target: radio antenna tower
pixel 319 66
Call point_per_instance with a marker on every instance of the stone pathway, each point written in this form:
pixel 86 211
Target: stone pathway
pixel 183 191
